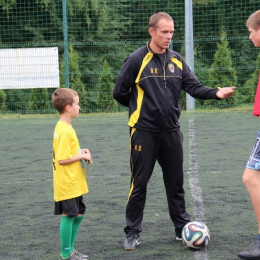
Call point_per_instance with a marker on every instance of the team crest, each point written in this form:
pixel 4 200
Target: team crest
pixel 171 67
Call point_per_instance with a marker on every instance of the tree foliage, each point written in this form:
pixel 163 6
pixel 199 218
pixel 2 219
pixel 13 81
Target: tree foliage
pixel 247 92
pixel 2 100
pixel 221 73
pixel 100 30
pixel 39 100
pixel 105 88
pixel 74 77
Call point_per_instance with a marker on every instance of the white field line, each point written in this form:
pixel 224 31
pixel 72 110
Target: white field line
pixel 195 188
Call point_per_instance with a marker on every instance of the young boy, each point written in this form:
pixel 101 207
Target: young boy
pixel 69 179
pixel 251 176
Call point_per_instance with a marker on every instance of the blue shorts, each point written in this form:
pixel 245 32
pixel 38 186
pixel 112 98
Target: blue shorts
pixel 254 159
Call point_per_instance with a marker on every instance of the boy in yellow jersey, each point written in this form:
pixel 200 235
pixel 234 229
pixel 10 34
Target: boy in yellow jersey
pixel 69 178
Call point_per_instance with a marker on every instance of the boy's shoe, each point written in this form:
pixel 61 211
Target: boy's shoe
pixel 72 256
pixel 251 253
pixel 78 254
pixel 132 241
pixel 83 257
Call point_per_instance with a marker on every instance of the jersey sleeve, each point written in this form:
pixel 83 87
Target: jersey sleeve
pixel 64 149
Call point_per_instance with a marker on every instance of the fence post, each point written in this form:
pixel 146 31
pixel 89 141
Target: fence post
pixel 189 48
pixel 65 40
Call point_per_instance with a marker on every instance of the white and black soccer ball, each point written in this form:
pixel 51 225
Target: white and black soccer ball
pixel 196 235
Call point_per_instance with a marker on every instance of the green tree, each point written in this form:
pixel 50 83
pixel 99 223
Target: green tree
pixel 74 77
pixel 201 68
pixel 39 100
pixel 221 73
pixel 2 100
pixel 105 88
pixel 17 100
pixel 106 29
pixel 247 92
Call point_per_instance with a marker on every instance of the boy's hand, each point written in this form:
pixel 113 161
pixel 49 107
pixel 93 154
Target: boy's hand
pixel 85 150
pixel 86 155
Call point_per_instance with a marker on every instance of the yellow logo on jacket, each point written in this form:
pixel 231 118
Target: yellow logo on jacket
pixel 154 70
pixel 138 148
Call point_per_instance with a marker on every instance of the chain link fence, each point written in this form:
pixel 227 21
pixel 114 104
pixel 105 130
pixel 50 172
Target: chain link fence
pixel 94 38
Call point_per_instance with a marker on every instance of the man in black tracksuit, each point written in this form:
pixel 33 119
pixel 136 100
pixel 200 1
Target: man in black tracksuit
pixel 150 84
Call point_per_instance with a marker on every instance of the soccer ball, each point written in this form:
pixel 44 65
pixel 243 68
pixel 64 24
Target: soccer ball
pixel 196 235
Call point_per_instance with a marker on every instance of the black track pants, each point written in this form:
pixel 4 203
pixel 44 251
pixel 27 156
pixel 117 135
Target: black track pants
pixel 146 148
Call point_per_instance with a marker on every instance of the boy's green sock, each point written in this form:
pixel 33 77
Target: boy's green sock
pixel 66 225
pixel 75 229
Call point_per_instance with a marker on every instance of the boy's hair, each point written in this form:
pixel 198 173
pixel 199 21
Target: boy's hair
pixel 254 20
pixel 62 97
pixel 155 18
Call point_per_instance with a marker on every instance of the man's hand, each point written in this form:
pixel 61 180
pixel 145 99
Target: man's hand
pixel 224 93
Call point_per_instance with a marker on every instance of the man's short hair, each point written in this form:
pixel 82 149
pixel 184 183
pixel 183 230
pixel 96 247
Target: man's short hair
pixel 254 20
pixel 155 18
pixel 62 97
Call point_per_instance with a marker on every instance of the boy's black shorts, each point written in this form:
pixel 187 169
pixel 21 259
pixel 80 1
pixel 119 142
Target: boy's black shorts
pixel 70 207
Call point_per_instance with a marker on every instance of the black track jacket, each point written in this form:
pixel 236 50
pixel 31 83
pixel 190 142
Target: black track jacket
pixel 152 90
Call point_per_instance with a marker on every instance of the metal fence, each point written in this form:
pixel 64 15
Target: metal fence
pixel 94 38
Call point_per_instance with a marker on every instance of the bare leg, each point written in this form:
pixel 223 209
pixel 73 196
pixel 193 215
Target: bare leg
pixel 251 180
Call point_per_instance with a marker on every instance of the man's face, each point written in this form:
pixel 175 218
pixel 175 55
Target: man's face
pixel 254 36
pixel 161 36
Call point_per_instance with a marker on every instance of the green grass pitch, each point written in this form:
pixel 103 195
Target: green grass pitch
pixel 29 229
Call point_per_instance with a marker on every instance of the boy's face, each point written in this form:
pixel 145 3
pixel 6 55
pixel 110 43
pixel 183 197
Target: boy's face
pixel 254 36
pixel 74 108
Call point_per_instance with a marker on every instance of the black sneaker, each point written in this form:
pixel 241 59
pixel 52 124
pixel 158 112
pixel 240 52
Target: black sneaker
pixel 251 253
pixel 178 238
pixel 82 257
pixel 132 240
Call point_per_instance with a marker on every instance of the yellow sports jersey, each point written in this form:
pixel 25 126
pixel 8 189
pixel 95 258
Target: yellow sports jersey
pixel 69 181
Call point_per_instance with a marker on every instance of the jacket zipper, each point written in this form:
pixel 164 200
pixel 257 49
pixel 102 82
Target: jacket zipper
pixel 166 97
